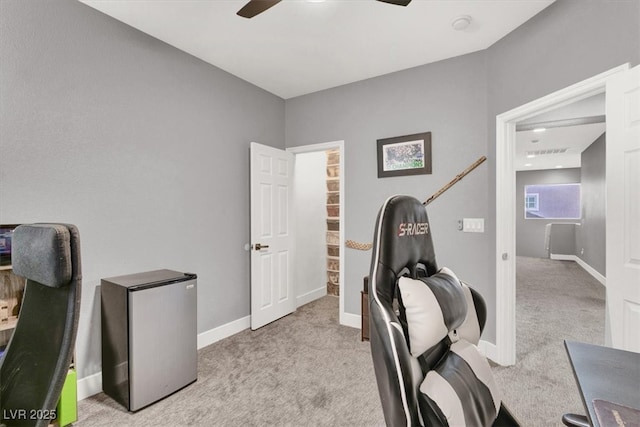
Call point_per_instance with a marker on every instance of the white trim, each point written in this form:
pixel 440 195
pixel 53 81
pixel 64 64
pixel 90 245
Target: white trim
pixel 489 350
pixel 88 386
pixel 221 332
pixel 312 148
pixel 311 296
pixel 505 201
pixel 562 257
pixel 505 243
pixel 324 146
pixel 352 320
pixel 592 271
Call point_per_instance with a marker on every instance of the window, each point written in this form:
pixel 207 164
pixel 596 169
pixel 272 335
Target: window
pixel 554 201
pixel 531 202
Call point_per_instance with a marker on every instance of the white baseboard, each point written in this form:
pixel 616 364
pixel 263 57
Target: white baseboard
pixel 311 296
pixel 351 320
pixel 562 257
pixel 592 271
pixel 88 386
pixel 488 349
pixel 221 332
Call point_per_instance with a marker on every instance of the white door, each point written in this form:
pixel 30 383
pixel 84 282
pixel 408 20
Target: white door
pixel 623 210
pixel 272 295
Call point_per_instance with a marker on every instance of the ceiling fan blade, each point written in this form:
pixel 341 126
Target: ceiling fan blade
pixel 255 7
pixel 397 2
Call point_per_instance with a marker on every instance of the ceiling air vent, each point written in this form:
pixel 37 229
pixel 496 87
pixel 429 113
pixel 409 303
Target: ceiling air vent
pixel 547 152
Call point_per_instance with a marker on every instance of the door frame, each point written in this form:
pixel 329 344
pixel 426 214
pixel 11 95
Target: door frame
pixel 504 352
pixel 324 146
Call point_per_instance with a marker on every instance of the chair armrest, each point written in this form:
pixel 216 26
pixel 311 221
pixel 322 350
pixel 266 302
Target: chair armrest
pixel 575 420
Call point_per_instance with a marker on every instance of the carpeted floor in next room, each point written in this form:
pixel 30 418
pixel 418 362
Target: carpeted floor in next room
pixel 555 300
pixel 306 370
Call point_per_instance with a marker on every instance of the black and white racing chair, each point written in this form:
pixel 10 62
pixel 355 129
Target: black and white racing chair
pixel 428 369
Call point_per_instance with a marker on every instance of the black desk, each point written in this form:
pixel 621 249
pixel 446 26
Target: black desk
pixel 605 373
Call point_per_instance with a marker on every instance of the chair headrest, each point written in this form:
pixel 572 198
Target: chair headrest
pixel 42 253
pixel 431 308
pixel 403 237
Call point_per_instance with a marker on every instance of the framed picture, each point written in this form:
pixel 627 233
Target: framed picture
pixel 404 155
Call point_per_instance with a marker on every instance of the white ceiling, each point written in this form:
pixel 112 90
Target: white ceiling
pixel 298 47
pixel 574 138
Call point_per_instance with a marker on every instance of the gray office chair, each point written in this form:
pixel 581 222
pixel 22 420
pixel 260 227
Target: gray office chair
pixel 37 358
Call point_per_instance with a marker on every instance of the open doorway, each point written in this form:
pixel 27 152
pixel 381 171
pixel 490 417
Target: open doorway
pixel 505 350
pixel 319 222
pixel 559 205
pixel 560 230
pixel 560 185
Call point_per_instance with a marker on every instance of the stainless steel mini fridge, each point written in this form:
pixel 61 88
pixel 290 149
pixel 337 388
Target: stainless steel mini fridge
pixel 149 336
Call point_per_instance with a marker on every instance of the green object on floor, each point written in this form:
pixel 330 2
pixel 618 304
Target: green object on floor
pixel 67 410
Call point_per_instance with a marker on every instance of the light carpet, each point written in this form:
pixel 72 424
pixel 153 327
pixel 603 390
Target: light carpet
pixel 302 370
pixel 306 370
pixel 555 301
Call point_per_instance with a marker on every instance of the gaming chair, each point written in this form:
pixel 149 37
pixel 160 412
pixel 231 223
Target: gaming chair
pixel 424 327
pixel 37 358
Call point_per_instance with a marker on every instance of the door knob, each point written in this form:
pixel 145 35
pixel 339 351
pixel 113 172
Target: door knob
pixel 258 246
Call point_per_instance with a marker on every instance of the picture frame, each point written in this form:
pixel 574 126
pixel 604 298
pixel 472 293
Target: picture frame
pixel 404 155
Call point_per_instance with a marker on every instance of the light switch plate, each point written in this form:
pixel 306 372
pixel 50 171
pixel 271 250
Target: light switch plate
pixel 473 225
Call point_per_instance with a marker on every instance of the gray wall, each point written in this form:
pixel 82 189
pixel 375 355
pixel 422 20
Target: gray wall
pixel 562 239
pixel 153 143
pixel 567 42
pixel 591 235
pixel 142 146
pixel 446 98
pixel 458 100
pixel 589 238
pixel 530 233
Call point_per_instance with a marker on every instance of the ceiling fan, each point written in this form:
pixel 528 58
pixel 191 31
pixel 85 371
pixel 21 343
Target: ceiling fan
pixel 255 7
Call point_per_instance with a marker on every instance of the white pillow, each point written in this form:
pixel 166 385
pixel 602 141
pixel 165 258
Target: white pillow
pixel 422 300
